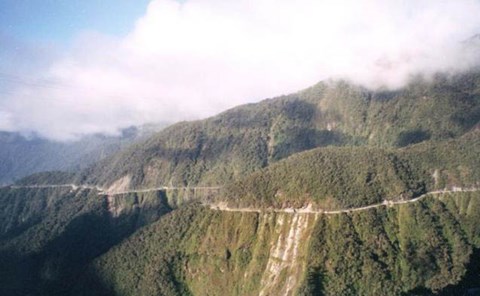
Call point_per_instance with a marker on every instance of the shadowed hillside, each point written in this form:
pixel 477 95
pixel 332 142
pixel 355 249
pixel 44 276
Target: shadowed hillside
pixel 424 246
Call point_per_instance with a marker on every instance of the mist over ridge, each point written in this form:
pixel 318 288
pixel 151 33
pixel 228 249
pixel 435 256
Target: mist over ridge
pixel 192 59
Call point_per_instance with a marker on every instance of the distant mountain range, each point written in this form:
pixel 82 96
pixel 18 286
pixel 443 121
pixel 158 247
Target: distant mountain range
pixel 21 156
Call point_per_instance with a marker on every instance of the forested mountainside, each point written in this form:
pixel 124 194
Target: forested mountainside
pixel 48 236
pixel 413 249
pixel 417 148
pixel 21 156
pixel 344 177
pixel 66 242
pixel 239 141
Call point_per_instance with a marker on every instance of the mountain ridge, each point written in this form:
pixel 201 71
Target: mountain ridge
pixel 244 139
pixel 332 148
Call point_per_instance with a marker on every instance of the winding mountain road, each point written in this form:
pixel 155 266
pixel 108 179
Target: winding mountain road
pixel 222 206
pixel 72 186
pixel 102 191
pixel 162 188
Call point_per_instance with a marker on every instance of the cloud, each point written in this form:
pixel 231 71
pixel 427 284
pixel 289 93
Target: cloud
pixel 191 59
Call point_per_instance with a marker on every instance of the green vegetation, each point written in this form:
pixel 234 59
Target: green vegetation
pixel 48 236
pixel 242 140
pixel 449 163
pixel 334 145
pixel 192 251
pixel 426 246
pixel 333 178
pixel 146 263
pixel 47 178
pixel 402 250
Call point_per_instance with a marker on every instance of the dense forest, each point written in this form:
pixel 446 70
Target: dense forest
pixel 48 236
pixel 344 177
pixel 332 146
pixel 242 140
pixel 416 249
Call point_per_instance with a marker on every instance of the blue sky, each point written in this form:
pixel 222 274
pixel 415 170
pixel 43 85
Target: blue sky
pixel 59 21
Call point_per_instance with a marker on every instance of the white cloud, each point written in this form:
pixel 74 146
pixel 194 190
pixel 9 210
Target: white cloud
pixel 192 59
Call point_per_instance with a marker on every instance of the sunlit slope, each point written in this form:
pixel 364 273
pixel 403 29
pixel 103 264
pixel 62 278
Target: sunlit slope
pixel 339 178
pixel 244 139
pixel 423 246
pixel 413 249
pixel 363 147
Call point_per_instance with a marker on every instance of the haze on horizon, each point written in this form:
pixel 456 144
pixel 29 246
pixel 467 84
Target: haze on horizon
pixel 181 60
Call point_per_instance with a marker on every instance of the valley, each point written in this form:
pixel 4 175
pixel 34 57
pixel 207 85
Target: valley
pixel 240 148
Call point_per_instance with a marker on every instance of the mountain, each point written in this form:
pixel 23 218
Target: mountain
pixel 334 190
pixel 332 178
pixel 420 248
pixel 390 251
pixel 244 139
pixel 47 236
pixel 21 156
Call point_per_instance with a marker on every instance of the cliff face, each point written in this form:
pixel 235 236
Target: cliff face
pixel 260 254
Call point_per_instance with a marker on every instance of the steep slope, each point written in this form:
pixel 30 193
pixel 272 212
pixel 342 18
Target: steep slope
pixel 414 249
pixel 423 246
pixel 242 140
pixel 332 178
pixel 200 252
pixel 49 235
pixel 394 146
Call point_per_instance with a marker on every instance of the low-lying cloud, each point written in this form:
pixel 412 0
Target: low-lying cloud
pixel 191 59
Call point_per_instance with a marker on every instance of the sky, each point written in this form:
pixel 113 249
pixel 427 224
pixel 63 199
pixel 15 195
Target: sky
pixel 71 68
pixel 60 21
